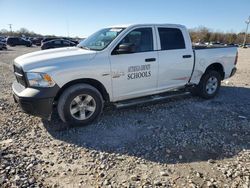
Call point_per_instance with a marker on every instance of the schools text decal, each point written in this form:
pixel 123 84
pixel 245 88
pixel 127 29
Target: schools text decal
pixel 140 71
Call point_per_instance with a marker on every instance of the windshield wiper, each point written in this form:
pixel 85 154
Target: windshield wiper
pixel 84 47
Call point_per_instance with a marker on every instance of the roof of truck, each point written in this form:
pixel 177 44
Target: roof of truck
pixel 146 24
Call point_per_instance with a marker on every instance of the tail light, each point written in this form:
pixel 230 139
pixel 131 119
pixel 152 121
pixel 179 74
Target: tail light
pixel 236 59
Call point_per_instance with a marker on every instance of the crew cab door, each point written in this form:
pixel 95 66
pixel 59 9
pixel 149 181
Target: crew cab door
pixel 134 73
pixel 175 57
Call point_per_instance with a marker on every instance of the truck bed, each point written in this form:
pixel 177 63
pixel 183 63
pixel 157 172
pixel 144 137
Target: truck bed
pixel 211 47
pixel 205 56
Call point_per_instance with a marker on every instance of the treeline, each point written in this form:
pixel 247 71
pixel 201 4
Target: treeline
pixel 203 34
pixel 22 32
pixel 200 34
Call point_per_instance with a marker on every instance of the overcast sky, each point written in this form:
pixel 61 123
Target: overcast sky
pixel 81 18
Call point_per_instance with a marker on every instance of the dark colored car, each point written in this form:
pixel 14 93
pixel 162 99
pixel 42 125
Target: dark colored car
pixel 37 41
pixel 3 46
pixel 54 38
pixel 48 39
pixel 13 41
pixel 72 40
pixel 3 39
pixel 58 43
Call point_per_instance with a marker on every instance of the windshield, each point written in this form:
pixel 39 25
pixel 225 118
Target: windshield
pixel 101 39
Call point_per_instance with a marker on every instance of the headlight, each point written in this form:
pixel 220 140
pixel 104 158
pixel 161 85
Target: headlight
pixel 36 79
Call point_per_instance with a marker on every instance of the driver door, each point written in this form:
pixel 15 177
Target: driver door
pixel 134 73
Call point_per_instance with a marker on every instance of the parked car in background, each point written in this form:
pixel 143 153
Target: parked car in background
pixel 58 43
pixel 246 46
pixel 216 44
pixel 74 41
pixel 3 39
pixel 37 41
pixel 3 46
pixel 54 38
pixel 46 39
pixel 13 41
pixel 232 45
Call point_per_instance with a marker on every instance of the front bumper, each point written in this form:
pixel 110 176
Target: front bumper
pixel 35 101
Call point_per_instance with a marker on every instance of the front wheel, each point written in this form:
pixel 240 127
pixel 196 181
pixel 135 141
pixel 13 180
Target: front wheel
pixel 80 104
pixel 209 85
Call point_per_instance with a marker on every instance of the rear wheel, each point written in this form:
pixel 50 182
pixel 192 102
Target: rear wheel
pixel 80 104
pixel 209 84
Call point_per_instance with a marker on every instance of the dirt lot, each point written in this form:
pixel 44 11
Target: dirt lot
pixel 185 142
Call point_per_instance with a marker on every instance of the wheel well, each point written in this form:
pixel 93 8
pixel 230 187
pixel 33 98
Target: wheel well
pixel 98 85
pixel 217 67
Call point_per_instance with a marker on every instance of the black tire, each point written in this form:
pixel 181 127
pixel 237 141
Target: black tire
pixel 202 90
pixel 66 100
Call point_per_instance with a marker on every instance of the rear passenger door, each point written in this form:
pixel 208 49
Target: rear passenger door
pixel 175 58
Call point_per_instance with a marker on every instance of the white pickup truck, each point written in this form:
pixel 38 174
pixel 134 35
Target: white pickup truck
pixel 122 65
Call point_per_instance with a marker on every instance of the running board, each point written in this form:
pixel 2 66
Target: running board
pixel 152 98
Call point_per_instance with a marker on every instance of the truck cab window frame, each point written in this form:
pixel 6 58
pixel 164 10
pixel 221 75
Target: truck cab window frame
pixel 142 38
pixel 171 38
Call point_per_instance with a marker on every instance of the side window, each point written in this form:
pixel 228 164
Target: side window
pixel 57 42
pixel 141 39
pixel 171 39
pixel 66 43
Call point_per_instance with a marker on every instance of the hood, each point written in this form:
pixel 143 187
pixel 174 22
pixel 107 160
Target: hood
pixel 53 57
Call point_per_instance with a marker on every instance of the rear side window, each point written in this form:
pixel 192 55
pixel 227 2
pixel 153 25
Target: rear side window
pixel 66 43
pixel 57 42
pixel 171 39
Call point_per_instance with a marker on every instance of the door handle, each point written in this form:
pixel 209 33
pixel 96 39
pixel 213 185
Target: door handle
pixel 150 59
pixel 186 56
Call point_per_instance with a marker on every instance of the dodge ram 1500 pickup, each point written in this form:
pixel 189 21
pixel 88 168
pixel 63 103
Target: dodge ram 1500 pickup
pixel 122 65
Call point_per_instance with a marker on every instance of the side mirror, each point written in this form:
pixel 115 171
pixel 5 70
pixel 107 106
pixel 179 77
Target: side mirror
pixel 125 48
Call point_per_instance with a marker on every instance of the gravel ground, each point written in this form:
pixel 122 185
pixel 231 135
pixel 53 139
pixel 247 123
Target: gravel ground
pixel 184 142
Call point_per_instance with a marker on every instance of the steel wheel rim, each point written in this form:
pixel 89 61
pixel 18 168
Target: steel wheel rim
pixel 82 107
pixel 212 84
